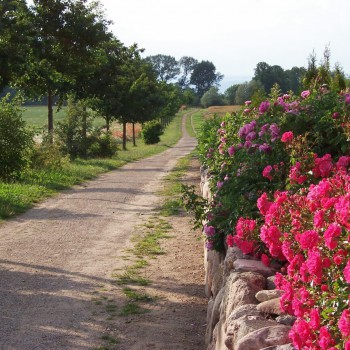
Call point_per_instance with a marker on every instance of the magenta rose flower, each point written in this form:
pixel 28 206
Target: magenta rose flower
pixel 287 136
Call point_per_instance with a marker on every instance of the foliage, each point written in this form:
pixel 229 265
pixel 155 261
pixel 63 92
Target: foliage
pixel 204 76
pixel 187 65
pixel 103 144
pixel 48 156
pixel 72 131
pixel 166 67
pixel 62 34
pixel 151 132
pixel 38 183
pixel 280 178
pixel 16 141
pixel 212 98
pixel 246 91
pixel 230 94
pixel 14 39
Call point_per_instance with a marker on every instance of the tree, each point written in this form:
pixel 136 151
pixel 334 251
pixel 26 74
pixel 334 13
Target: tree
pixel 65 33
pixel 142 98
pixel 294 78
pixel 212 98
pixel 14 39
pixel 111 80
pixel 269 75
pixel 187 65
pixel 230 94
pixel 204 76
pixel 166 67
pixel 246 91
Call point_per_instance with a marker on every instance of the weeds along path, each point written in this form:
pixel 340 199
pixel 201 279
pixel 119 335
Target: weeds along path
pixel 57 260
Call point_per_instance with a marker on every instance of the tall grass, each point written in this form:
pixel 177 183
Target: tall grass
pixel 39 184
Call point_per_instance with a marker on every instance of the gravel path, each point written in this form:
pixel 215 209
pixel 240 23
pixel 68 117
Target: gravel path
pixel 55 257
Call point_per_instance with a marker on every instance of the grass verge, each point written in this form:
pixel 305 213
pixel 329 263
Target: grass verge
pixel 172 188
pixel 36 185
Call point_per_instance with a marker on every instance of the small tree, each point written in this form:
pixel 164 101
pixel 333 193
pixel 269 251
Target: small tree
pixel 16 141
pixel 151 132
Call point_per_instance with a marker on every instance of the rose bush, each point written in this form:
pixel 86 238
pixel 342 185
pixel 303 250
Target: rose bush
pixel 280 187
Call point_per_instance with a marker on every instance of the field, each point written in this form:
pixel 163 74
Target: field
pixel 220 110
pixel 36 117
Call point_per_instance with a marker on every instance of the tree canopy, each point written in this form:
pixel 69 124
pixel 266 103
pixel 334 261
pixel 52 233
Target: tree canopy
pixel 204 76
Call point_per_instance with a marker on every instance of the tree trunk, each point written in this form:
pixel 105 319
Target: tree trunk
pixel 133 135
pixel 84 132
pixel 124 136
pixel 50 115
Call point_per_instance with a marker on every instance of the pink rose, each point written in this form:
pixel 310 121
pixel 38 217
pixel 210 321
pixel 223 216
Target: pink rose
pixel 344 323
pixel 287 136
pixel 305 94
pixel 346 272
pixel 231 150
pixel 267 172
pixel 264 106
pixel 323 166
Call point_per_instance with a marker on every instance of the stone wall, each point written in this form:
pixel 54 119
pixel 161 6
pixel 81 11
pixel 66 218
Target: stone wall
pixel 243 307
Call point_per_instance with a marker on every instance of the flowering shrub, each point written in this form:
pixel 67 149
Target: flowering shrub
pixel 281 191
pixel 311 231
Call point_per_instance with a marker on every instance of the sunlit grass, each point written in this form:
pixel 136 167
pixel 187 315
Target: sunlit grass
pixel 39 184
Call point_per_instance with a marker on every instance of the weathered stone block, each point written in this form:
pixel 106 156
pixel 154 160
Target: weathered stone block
pixel 264 337
pixel 244 265
pixel 266 294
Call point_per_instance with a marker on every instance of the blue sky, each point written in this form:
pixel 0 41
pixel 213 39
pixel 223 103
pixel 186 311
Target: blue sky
pixel 235 34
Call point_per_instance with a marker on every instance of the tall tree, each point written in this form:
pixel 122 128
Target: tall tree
pixel 187 65
pixel 165 66
pixel 66 33
pixel 230 94
pixel 204 76
pixel 110 82
pixel 15 30
pixel 294 78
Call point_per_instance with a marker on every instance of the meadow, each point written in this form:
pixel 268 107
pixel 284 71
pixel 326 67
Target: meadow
pixel 36 117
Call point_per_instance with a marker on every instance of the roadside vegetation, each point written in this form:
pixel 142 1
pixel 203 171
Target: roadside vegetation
pixel 280 183
pixel 35 184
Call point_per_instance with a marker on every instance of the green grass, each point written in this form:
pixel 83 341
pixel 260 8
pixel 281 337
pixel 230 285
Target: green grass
pixel 39 184
pixel 194 122
pixel 132 309
pixel 172 188
pixel 36 117
pixel 109 339
pixel 136 296
pixel 132 276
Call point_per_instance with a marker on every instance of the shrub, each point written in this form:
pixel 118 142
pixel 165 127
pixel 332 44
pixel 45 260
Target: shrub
pixel 151 132
pixel 73 131
pixel 102 144
pixel 48 156
pixel 266 164
pixel 78 138
pixel 16 141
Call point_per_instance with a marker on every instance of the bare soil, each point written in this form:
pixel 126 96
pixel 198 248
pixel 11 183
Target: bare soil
pixel 58 263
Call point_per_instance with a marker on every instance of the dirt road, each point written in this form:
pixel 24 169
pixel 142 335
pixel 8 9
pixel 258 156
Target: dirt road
pixel 58 259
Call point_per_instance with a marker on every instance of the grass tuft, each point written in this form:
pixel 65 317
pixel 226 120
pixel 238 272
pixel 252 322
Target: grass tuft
pixel 132 309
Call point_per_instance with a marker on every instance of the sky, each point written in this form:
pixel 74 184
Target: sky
pixel 235 34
